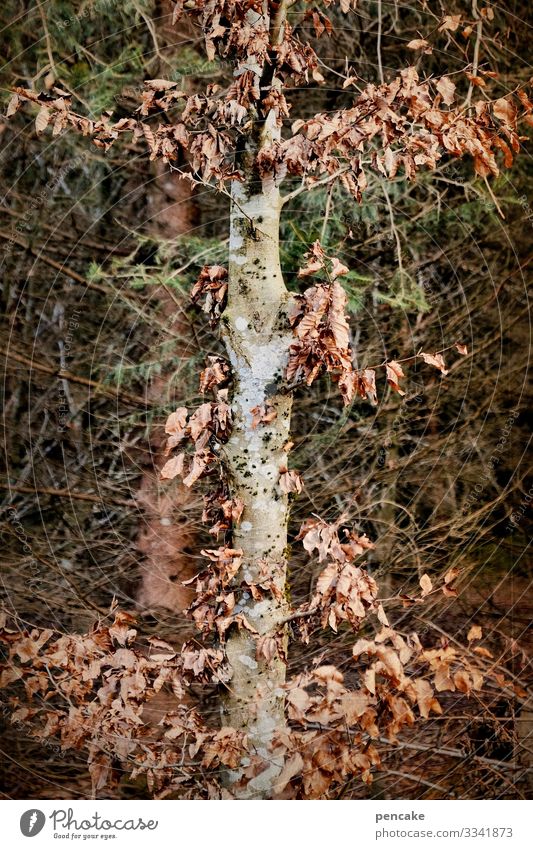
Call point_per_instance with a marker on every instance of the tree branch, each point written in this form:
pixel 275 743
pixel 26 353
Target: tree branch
pixel 306 187
pixel 74 378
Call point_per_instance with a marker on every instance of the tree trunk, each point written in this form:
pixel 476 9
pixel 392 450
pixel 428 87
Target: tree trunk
pixel 257 335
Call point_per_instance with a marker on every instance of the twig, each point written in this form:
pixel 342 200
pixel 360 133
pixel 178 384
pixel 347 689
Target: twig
pixel 378 46
pixel 67 493
pixel 494 200
pixel 297 615
pixel 47 39
pixel 76 590
pixel 309 187
pixel 475 63
pixel 451 753
pixel 17 239
pixel 395 233
pixel 327 212
pixel 74 378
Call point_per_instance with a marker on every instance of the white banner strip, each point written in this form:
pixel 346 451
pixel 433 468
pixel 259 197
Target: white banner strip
pixel 287 825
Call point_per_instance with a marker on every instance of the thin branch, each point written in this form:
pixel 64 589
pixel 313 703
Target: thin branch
pixel 17 239
pixel 378 46
pixel 297 615
pixel 327 213
pixel 99 388
pixel 395 233
pixel 451 753
pixel 307 187
pixel 47 39
pixel 67 493
pixel 475 63
pixel 494 200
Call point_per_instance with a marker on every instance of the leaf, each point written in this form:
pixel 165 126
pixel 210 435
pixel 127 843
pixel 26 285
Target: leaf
pixel 200 419
pixel 216 373
pixel 349 81
pixel 311 268
pixel 427 586
pixel 462 681
pixel 327 579
pixel 450 22
pixel 369 679
pixel 150 138
pixel 100 773
pixel 266 648
pixel 199 464
pixel 367 385
pixel 27 649
pixel 482 652
pixel 451 575
pixel 120 631
pixel 177 421
pixel 446 89
pixel 524 100
pixel 505 111
pixel 477 679
pixel 442 678
pixel 425 698
pixel 475 633
pixel 13 105
pixel 160 85
pixel 337 318
pixel 166 651
pixel 262 414
pixel 476 80
pixel 391 662
pixel 226 746
pixel 382 616
pixel 420 44
pixel 315 257
pixel 328 673
pixel 173 468
pixel 299 701
pixel 237 507
pixel 42 119
pixel 338 269
pixel 394 373
pixel 354 705
pixel 292 767
pixel 508 158
pixel 435 360
pixel 290 481
pixel 124 657
pixel 461 348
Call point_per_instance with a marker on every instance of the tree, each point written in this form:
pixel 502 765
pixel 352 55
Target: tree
pixel 279 737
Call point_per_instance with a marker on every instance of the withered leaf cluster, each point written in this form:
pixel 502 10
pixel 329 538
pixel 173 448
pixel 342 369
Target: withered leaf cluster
pixel 207 427
pixel 405 124
pixel 90 692
pixel 212 284
pixel 344 591
pixel 320 324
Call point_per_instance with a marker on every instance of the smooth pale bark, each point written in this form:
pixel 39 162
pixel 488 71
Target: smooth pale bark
pixel 257 334
pixel 257 337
